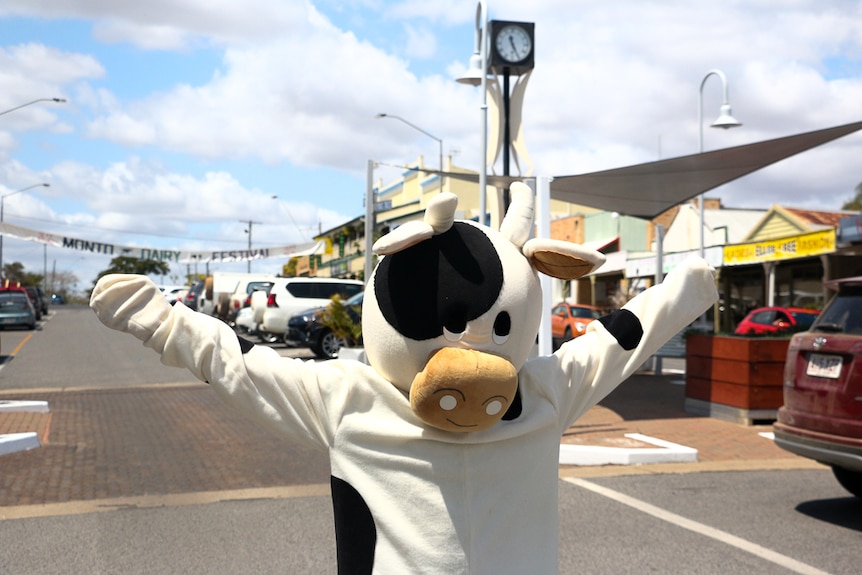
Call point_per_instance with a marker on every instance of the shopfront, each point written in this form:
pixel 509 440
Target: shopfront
pixel 787 272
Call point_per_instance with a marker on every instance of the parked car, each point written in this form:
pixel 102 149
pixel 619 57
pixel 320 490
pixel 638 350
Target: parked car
pixel 242 296
pixel 306 330
pixel 570 320
pixel 771 320
pixel 16 309
pixel 173 293
pixel 32 296
pixel 193 296
pixel 40 302
pixel 822 413
pixel 289 296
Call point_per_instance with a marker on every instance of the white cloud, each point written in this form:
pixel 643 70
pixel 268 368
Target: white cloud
pixel 615 84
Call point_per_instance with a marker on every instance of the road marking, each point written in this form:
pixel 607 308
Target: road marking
pixel 700 528
pixel 165 500
pixel 18 347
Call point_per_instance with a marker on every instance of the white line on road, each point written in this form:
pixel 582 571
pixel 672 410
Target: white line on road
pixel 700 528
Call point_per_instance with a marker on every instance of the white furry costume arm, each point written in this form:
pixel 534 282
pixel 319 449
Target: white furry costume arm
pixel 591 366
pixel 286 394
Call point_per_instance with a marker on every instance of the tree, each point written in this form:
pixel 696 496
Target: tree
pixel 61 283
pixel 129 265
pixel 289 269
pixel 855 205
pixel 15 272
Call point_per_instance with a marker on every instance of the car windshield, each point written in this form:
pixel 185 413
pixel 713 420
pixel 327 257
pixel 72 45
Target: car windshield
pixel 585 312
pixel 10 301
pixel 843 314
pixel 803 319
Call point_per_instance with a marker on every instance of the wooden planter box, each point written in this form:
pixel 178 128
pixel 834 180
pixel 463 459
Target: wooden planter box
pixel 735 378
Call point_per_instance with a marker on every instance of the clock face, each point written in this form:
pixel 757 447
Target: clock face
pixel 513 43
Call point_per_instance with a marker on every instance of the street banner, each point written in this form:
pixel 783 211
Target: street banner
pixel 159 254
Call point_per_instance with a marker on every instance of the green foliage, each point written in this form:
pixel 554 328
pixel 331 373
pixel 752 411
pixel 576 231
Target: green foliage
pixel 128 265
pixel 15 272
pixel 855 205
pixel 337 318
pixel 288 270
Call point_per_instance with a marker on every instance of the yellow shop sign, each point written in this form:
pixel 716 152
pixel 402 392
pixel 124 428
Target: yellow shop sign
pixel 786 248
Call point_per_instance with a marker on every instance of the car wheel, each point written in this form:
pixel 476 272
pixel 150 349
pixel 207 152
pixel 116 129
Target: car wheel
pixel 328 345
pixel 568 334
pixel 849 480
pixel 268 337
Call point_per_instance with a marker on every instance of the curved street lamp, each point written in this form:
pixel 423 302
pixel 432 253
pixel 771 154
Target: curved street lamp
pixel 2 204
pixel 724 121
pixel 432 136
pixel 58 100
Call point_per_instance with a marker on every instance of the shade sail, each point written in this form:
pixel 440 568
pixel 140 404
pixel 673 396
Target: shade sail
pixel 647 190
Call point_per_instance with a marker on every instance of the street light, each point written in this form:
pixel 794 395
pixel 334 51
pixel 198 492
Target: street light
pixel 2 204
pixel 248 231
pixel 433 137
pixel 725 121
pixel 58 100
pixel 477 75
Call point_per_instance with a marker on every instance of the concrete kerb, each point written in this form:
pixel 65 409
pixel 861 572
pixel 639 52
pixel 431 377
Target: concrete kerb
pixel 664 452
pixel 14 442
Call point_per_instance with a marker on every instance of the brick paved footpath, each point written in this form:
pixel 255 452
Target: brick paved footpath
pixel 174 439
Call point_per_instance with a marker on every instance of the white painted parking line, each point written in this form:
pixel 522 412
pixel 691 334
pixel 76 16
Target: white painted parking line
pixel 700 528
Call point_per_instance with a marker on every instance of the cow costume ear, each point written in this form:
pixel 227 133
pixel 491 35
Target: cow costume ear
pixel 562 260
pixel 558 259
pixel 439 217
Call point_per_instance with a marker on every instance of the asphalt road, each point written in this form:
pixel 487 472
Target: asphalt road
pixel 769 522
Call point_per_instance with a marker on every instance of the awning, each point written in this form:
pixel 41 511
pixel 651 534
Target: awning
pixel 599 245
pixel 647 190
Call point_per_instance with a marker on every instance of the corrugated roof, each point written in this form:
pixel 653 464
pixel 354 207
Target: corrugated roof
pixel 819 218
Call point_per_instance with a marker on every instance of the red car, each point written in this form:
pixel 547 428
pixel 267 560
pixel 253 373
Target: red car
pixel 569 320
pixel 769 320
pixel 822 414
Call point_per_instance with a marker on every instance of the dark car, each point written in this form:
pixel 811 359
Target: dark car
pixel 306 330
pixel 194 294
pixel 16 309
pixel 40 302
pixel 822 413
pixel 773 320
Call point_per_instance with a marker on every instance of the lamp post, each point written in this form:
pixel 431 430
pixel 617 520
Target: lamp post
pixel 725 121
pixel 432 136
pixel 477 75
pixel 2 205
pixel 58 100
pixel 248 231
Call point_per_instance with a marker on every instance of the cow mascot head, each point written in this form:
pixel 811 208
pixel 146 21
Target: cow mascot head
pixel 454 309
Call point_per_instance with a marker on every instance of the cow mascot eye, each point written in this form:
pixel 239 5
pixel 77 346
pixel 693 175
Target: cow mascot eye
pixel 502 327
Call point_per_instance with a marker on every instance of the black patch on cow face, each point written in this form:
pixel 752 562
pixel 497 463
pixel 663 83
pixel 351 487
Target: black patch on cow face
pixel 355 532
pixel 244 344
pixel 625 327
pixel 443 282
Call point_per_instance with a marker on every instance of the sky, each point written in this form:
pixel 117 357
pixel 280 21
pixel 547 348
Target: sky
pixel 186 119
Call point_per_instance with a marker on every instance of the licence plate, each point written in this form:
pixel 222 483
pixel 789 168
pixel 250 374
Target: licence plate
pixel 820 365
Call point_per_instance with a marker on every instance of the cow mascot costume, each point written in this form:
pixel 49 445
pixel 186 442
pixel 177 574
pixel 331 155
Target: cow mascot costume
pixel 444 449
